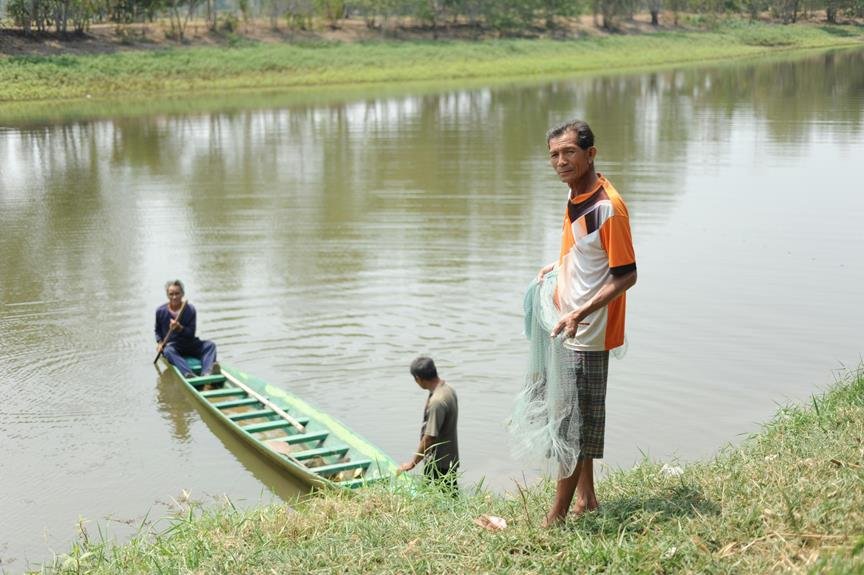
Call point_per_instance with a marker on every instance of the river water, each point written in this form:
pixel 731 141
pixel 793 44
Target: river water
pixel 329 240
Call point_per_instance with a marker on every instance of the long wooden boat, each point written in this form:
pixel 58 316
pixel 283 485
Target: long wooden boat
pixel 312 446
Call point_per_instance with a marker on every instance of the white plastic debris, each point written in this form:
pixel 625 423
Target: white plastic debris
pixel 491 522
pixel 671 470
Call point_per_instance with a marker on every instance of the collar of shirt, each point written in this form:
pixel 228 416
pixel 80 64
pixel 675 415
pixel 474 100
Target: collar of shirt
pixel 601 180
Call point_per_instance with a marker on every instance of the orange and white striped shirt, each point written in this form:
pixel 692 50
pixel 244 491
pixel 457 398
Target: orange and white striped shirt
pixel 595 244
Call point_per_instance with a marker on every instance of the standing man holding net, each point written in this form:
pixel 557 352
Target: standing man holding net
pixel 574 316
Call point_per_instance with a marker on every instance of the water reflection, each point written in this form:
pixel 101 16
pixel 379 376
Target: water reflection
pixel 325 244
pixel 175 405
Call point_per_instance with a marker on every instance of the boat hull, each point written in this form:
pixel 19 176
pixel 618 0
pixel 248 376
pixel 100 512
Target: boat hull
pixel 313 447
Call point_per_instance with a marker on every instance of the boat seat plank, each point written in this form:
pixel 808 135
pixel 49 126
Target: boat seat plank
pixel 266 426
pixel 251 414
pixel 224 392
pixel 206 379
pixel 235 403
pixel 303 437
pixel 342 466
pixel 243 415
pixel 319 452
pixel 194 363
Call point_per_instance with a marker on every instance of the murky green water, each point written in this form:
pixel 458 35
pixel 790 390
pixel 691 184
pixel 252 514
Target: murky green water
pixel 325 245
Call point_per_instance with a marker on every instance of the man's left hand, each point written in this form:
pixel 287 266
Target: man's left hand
pixel 568 324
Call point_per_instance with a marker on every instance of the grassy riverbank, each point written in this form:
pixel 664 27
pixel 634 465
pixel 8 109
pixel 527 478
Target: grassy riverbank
pixel 195 70
pixel 790 499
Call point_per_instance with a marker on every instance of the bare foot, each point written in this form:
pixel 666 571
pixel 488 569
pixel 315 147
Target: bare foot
pixel 584 506
pixel 552 520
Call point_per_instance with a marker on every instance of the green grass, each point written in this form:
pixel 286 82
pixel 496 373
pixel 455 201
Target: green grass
pixel 268 66
pixel 790 499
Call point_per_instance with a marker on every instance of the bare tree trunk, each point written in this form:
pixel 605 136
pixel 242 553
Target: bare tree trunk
pixel 34 4
pixel 607 10
pixel 654 7
pixel 40 22
pixel 178 25
pixel 274 16
pixel 64 17
pixel 675 6
pixel 193 5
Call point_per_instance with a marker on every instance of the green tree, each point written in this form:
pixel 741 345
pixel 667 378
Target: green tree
pixel 786 10
pixel 299 14
pixel 551 9
pixel 508 17
pixel 611 10
pixel 754 8
pixel 430 12
pixel 179 14
pixel 331 10
pixel 245 12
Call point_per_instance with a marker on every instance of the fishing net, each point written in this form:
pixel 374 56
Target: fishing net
pixel 545 422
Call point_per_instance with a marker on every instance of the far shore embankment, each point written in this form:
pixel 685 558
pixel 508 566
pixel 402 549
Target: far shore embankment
pixel 204 71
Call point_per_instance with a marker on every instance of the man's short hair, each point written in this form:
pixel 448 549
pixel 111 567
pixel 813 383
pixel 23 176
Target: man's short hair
pixel 423 368
pixel 584 135
pixel 177 283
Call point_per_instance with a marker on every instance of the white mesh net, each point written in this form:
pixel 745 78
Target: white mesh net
pixel 545 422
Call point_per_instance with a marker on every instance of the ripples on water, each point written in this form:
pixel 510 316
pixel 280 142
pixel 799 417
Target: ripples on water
pixel 326 246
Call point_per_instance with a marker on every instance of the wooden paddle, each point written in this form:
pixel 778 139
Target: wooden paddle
pixel 167 335
pixel 279 411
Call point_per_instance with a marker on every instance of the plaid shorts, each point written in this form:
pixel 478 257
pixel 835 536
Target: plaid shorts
pixel 588 369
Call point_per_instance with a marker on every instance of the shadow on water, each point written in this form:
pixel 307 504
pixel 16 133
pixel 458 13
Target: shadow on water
pixel 175 405
pixel 180 408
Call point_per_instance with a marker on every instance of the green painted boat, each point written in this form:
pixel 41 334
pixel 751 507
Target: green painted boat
pixel 310 445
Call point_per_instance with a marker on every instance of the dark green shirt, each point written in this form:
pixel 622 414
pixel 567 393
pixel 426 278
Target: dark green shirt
pixel 439 421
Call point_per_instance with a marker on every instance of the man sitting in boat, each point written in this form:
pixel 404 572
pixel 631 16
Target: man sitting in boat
pixel 175 331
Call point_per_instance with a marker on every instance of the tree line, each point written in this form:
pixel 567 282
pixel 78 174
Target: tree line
pixel 509 17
